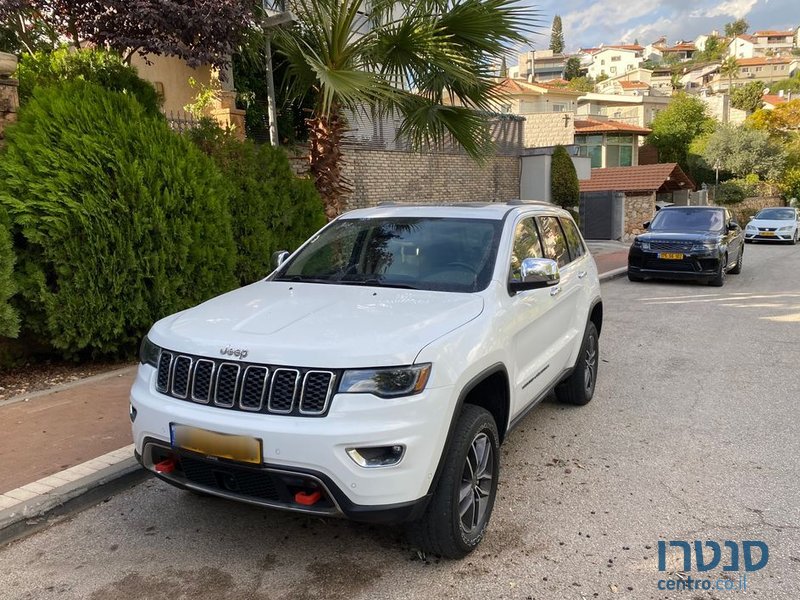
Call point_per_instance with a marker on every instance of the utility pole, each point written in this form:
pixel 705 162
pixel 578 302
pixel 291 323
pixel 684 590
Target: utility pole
pixel 276 16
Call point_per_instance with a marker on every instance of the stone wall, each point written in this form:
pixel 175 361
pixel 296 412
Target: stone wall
pixel 392 176
pixel 9 103
pixel 745 209
pixel 549 129
pixel 638 210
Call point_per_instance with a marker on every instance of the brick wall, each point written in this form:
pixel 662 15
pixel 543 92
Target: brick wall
pixel 9 103
pixel 392 176
pixel 638 209
pixel 549 129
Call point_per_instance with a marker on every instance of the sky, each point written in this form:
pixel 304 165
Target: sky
pixel 588 23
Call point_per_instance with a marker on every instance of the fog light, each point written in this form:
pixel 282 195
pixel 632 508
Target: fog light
pixel 131 412
pixel 377 456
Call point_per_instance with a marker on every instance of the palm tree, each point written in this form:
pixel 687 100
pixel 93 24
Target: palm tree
pixel 430 62
pixel 729 67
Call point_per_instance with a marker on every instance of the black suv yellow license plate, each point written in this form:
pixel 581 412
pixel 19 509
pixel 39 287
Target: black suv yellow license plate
pixel 221 445
pixel 671 255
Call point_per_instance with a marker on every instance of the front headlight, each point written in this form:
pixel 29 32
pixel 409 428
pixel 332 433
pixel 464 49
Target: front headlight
pixel 149 352
pixel 751 227
pixel 386 383
pixel 787 228
pixel 705 246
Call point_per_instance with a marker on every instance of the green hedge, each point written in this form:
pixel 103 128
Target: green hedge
pixel 9 320
pixel 272 209
pixel 106 69
pixel 564 180
pixel 117 221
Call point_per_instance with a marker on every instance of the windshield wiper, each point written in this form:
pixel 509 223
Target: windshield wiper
pixel 303 279
pixel 377 283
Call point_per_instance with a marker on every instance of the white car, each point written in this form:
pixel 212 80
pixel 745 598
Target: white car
pixel 780 224
pixel 375 372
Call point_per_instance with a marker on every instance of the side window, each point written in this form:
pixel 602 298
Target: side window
pixel 553 240
pixel 526 245
pixel 576 247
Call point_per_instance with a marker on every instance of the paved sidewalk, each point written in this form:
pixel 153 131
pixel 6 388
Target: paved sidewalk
pixel 63 442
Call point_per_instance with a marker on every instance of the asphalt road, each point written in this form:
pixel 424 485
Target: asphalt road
pixel 692 435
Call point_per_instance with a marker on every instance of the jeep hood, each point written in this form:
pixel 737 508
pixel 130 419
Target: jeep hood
pixel 318 325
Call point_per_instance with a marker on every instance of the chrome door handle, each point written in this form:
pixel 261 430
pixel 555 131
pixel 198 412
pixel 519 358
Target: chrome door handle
pixel 582 274
pixel 555 291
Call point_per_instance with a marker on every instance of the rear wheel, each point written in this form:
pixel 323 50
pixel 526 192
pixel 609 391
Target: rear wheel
pixel 738 268
pixel 456 518
pixel 578 388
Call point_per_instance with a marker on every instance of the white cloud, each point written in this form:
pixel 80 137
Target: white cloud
pixel 608 14
pixel 650 32
pixel 730 8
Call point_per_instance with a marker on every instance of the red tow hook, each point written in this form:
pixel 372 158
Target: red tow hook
pixel 307 499
pixel 165 466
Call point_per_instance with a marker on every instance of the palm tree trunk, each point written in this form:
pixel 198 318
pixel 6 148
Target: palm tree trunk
pixel 326 134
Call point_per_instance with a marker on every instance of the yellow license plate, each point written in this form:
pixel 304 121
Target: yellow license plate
pixel 671 256
pixel 210 443
pixel 767 233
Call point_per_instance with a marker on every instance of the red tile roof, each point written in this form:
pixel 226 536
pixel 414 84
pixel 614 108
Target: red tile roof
pixel 642 178
pixel 520 86
pixel 772 33
pixel 753 62
pixel 634 85
pixel 773 99
pixel 746 37
pixel 597 126
pixel 683 47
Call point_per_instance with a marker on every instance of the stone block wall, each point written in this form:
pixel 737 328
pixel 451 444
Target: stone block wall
pixel 549 129
pixel 750 206
pixel 9 103
pixel 639 208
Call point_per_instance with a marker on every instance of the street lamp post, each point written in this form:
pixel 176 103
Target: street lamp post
pixel 276 16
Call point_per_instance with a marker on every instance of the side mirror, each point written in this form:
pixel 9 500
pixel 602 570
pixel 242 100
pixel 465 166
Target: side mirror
pixel 278 258
pixel 536 273
pixel 733 225
pixel 646 224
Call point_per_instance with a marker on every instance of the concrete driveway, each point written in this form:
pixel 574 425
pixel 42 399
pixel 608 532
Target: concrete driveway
pixel 692 435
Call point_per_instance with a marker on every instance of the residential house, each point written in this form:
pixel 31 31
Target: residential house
pixel 615 60
pixel 539 65
pixel 680 52
pixel 700 40
pixel 623 87
pixel 742 46
pixel 633 110
pixel 762 43
pixel 658 82
pixel 773 101
pixel 608 143
pixel 697 78
pixel 763 69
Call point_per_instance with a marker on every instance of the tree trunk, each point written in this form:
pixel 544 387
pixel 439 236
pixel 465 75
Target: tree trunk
pixel 325 140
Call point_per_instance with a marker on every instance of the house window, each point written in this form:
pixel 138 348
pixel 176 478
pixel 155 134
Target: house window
pixel 613 70
pixel 616 58
pixel 591 146
pixel 619 150
pixel 559 107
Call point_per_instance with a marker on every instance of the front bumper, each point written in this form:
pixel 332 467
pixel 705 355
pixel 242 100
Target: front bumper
pixel 774 236
pixel 693 265
pixel 310 450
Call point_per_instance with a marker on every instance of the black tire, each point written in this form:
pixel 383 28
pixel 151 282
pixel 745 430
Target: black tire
pixel 578 388
pixel 738 268
pixel 748 241
pixel 440 530
pixel 632 277
pixel 794 239
pixel 719 279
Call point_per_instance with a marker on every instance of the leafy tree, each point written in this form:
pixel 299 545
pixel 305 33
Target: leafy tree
pixel 675 82
pixel 787 85
pixel 103 68
pixel 790 184
pixel 748 97
pixel 782 121
pixel 581 84
pixel 557 36
pixel 197 31
pixel 564 179
pixel 21 31
pixel 675 127
pixel 730 69
pixel 742 151
pixel 572 70
pixel 714 49
pixel 439 49
pixel 602 77
pixel 737 27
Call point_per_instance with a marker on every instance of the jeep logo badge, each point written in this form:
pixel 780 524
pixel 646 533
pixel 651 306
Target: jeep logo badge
pixel 237 352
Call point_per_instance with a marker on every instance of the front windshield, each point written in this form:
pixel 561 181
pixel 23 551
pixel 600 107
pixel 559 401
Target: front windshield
pixel 687 219
pixel 418 253
pixel 776 214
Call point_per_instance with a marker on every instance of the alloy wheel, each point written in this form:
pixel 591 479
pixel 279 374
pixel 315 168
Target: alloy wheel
pixel 590 363
pixel 476 484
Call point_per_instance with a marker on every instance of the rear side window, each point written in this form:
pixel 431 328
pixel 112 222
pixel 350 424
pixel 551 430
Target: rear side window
pixel 553 240
pixel 576 247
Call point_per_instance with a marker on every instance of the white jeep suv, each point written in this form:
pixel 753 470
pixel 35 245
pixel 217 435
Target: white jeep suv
pixel 376 371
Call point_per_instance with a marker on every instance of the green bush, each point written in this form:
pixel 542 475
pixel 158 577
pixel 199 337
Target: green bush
pixel 564 180
pixel 106 69
pixel 9 320
pixel 734 191
pixel 117 220
pixel 272 209
pixel 790 184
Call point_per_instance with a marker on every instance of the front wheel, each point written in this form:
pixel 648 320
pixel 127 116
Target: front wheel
pixel 719 279
pixel 795 237
pixel 578 388
pixel 455 520
pixel 632 277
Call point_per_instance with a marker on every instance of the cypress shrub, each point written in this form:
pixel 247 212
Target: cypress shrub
pixel 9 320
pixel 117 220
pixel 564 180
pixel 272 209
pixel 106 69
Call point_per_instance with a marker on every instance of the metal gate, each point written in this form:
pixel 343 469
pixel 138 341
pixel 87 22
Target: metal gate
pixel 602 215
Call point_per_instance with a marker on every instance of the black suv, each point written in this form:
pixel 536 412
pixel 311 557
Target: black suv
pixel 688 242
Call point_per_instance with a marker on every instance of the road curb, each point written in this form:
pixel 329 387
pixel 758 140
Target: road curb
pixel 34 501
pixel 613 274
